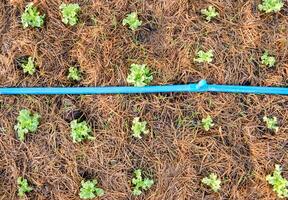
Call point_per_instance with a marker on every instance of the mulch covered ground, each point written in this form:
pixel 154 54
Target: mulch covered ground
pixel 178 153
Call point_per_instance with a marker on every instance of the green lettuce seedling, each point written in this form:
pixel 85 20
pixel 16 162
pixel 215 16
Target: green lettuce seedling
pixel 80 131
pixel 139 75
pixel 69 13
pixel 29 66
pixel 31 17
pixel 89 190
pixel 203 56
pixel 74 74
pixel 207 123
pixel 271 123
pixel 139 127
pixel 132 20
pixel 140 183
pixel 27 122
pixel 280 184
pixel 268 60
pixel 209 13
pixel 269 6
pixel 23 187
pixel 212 181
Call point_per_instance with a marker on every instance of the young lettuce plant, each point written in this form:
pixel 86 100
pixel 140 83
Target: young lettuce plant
pixel 89 190
pixel 80 131
pixel 27 122
pixel 212 181
pixel 209 13
pixel 207 123
pixel 269 6
pixel 139 127
pixel 280 184
pixel 23 187
pixel 69 13
pixel 268 60
pixel 140 183
pixel 203 56
pixel 31 17
pixel 29 66
pixel 132 20
pixel 74 74
pixel 139 75
pixel 271 123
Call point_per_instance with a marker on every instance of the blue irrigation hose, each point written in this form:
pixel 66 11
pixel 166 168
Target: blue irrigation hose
pixel 202 86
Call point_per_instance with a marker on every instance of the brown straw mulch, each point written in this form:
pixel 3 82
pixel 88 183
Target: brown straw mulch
pixel 177 153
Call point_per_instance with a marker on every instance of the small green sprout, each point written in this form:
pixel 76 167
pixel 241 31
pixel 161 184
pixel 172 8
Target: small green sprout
pixel 31 17
pixel 271 123
pixel 132 20
pixel 209 13
pixel 69 13
pixel 207 123
pixel 27 122
pixel 23 187
pixel 140 183
pixel 80 131
pixel 74 74
pixel 89 190
pixel 29 66
pixel 269 6
pixel 212 181
pixel 139 75
pixel 203 56
pixel 138 128
pixel 280 184
pixel 268 60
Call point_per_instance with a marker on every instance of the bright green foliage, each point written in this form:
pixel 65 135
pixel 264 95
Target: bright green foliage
pixel 271 123
pixel 203 56
pixel 209 13
pixel 140 183
pixel 268 60
pixel 132 20
pixel 207 123
pixel 280 184
pixel 213 182
pixel 139 75
pixel 139 127
pixel 74 74
pixel 69 13
pixel 80 131
pixel 31 17
pixel 23 187
pixel 89 190
pixel 27 122
pixel 29 66
pixel 269 6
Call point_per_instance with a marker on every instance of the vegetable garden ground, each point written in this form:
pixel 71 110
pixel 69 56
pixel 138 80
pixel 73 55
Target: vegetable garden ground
pixel 177 152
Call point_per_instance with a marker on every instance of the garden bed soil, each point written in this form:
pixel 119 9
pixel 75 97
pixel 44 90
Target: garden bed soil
pixel 177 153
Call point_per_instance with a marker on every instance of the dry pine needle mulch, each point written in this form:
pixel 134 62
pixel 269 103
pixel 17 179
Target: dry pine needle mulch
pixel 177 153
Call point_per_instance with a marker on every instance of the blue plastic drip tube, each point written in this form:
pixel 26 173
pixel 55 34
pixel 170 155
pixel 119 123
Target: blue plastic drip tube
pixel 202 86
